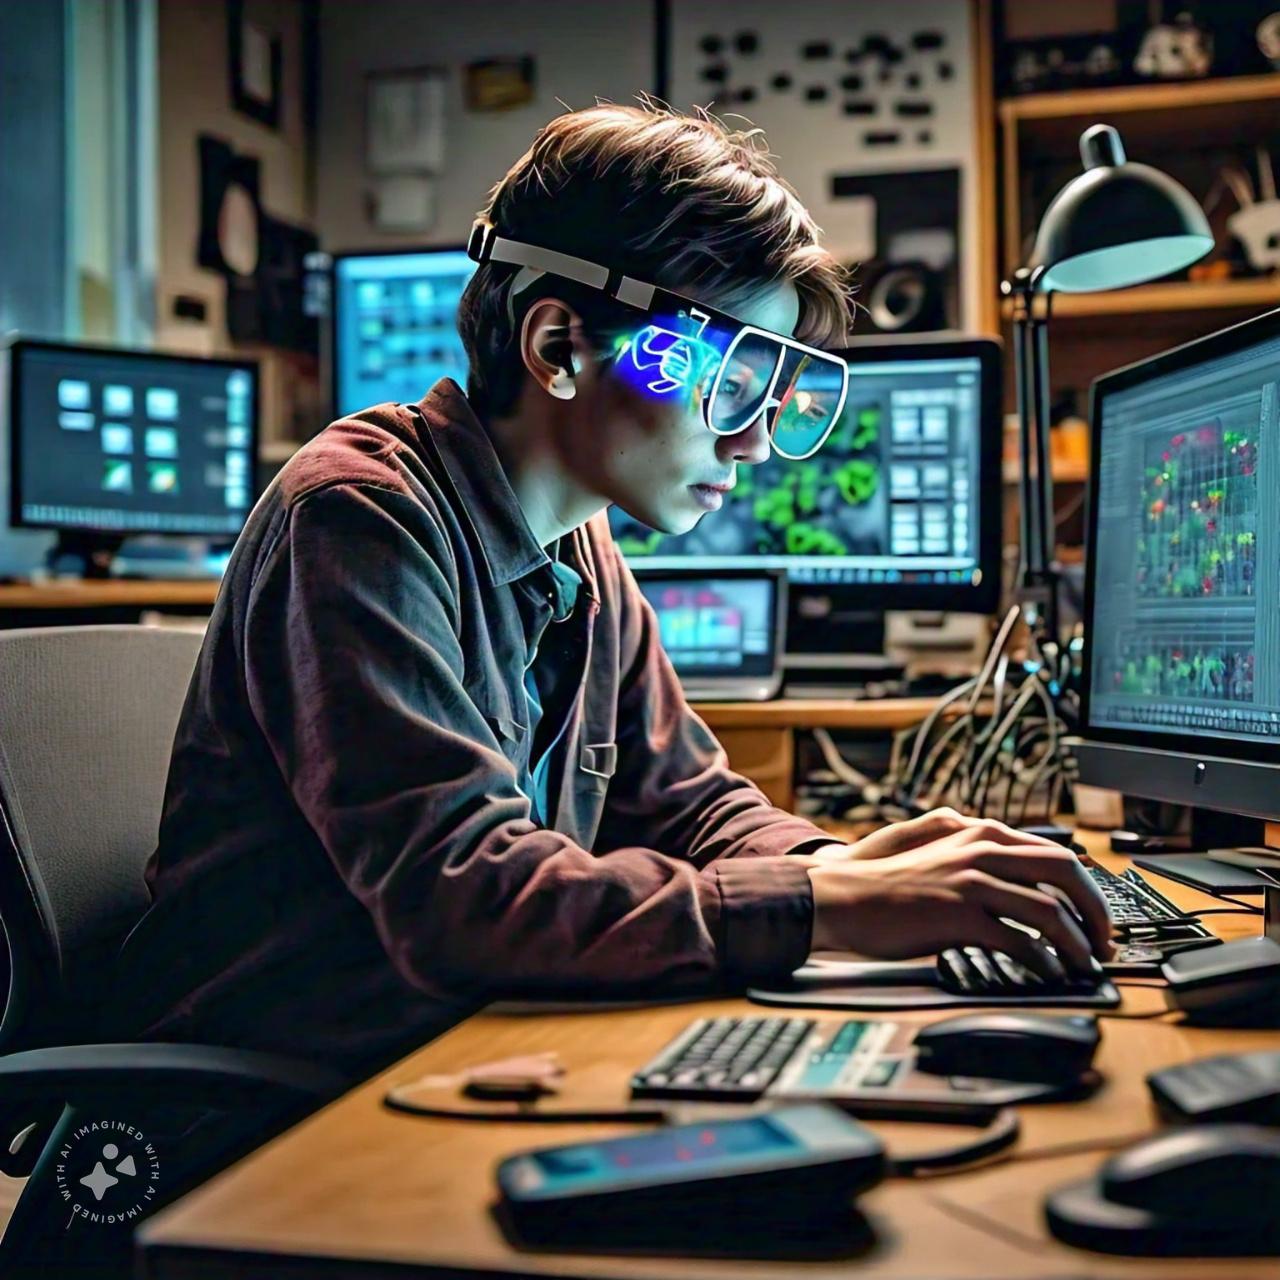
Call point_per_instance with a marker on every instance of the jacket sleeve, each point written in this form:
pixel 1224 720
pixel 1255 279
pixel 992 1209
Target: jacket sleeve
pixel 674 788
pixel 354 670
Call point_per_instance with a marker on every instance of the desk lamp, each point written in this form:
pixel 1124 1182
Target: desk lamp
pixel 1114 225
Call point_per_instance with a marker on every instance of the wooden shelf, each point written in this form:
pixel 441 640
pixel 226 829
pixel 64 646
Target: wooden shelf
pixel 1161 299
pixel 1233 112
pixel 1125 99
pixel 278 451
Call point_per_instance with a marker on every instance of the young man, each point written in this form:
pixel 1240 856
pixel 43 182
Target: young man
pixel 433 749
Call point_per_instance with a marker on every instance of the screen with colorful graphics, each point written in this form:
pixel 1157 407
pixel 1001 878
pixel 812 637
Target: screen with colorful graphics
pixel 1185 629
pixel 715 626
pixel 132 442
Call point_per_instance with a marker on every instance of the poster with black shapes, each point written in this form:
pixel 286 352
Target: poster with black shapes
pixel 842 88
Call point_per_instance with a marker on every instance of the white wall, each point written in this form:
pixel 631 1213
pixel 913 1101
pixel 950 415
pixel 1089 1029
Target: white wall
pixel 194 98
pixel 582 51
pixel 814 142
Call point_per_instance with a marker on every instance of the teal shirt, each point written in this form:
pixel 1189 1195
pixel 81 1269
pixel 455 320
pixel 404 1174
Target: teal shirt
pixel 533 780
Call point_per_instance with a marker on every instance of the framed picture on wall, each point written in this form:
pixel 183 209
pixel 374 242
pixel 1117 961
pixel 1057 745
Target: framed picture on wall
pixel 404 121
pixel 255 65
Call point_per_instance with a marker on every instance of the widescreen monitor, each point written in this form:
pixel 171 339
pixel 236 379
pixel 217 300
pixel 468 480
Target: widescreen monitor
pixel 1182 665
pixel 120 443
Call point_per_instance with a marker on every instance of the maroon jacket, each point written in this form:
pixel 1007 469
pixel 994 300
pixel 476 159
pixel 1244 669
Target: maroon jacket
pixel 346 864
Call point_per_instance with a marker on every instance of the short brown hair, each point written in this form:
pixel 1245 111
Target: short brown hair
pixel 679 201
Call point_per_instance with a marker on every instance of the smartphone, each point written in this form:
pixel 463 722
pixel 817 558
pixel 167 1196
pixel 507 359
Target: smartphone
pixel 797 1150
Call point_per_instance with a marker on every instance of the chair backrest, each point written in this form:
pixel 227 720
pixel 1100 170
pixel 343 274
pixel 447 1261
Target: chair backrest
pixel 87 722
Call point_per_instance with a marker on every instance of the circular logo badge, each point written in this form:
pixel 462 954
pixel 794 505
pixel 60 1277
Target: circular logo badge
pixel 107 1172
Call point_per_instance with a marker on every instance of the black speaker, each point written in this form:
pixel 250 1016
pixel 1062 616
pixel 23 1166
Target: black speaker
pixel 900 297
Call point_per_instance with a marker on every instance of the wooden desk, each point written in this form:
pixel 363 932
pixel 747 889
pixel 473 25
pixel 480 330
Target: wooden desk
pixel 60 601
pixel 368 1191
pixel 759 737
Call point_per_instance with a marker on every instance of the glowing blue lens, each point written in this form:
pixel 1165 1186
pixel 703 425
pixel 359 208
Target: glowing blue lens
pixel 661 360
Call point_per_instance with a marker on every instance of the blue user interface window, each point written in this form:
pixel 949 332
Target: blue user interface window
pixel 396 325
pixel 1186 616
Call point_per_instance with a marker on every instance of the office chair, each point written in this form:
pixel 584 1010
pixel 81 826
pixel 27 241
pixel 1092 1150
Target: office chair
pixel 87 721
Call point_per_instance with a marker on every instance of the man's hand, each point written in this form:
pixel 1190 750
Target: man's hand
pixel 936 825
pixel 943 880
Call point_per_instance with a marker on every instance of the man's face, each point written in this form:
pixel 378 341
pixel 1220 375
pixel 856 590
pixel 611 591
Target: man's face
pixel 653 455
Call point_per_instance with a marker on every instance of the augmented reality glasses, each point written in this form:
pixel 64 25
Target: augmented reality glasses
pixel 733 370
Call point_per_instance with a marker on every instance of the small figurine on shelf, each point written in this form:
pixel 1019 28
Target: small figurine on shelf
pixel 1256 224
pixel 1267 35
pixel 1064 62
pixel 1177 50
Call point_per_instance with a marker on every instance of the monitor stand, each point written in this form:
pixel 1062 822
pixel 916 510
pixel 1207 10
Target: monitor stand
pixel 830 651
pixel 83 554
pixel 1248 870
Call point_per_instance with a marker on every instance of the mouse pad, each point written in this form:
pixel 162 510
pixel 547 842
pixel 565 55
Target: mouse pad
pixel 853 984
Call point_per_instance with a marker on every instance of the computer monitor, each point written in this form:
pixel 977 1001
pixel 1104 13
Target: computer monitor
pixel 1181 694
pixel 899 509
pixel 722 631
pixel 107 443
pixel 395 325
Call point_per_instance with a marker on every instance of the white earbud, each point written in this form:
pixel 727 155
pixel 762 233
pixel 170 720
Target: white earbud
pixel 562 385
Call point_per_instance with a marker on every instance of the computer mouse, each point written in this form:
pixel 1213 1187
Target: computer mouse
pixel 1050 831
pixel 1009 1046
pixel 1219 1171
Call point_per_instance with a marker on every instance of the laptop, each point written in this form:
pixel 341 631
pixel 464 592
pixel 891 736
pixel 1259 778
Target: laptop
pixel 722 631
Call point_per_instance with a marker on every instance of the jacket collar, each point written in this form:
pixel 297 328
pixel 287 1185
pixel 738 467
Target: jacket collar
pixel 485 497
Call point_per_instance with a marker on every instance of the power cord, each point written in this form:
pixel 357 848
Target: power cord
pixel 1241 909
pixel 1135 1017
pixel 999 1135
pixel 1087 1147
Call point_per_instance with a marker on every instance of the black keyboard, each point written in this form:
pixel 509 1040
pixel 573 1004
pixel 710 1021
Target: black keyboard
pixel 1133 902
pixel 722 1059
pixel 977 971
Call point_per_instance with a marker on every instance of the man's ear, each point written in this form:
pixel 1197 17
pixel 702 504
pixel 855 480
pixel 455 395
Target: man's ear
pixel 547 347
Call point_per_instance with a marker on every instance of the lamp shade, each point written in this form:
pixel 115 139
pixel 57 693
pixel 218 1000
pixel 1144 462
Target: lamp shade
pixel 1116 224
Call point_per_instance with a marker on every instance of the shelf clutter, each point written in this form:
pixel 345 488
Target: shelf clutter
pixel 1192 129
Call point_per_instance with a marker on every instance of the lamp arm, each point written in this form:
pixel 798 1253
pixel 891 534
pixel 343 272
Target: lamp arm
pixel 1017 288
pixel 1035 486
pixel 1047 536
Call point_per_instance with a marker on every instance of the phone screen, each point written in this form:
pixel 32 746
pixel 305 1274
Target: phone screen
pixel 724 1143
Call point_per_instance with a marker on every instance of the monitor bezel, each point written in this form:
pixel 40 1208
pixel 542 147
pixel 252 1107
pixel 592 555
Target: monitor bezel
pixel 335 358
pixel 14 351
pixel 1204 744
